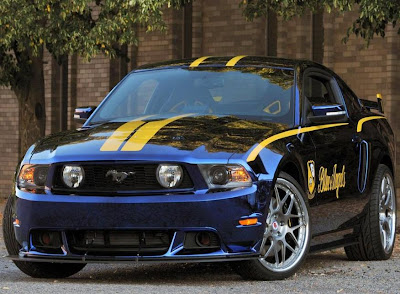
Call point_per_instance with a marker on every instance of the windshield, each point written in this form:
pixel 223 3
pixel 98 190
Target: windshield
pixel 248 92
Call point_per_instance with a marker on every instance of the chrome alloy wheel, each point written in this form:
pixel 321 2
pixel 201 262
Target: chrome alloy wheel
pixel 387 213
pixel 287 229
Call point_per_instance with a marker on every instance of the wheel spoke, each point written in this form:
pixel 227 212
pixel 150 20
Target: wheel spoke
pixel 382 218
pixel 284 199
pixel 276 256
pixel 388 225
pixel 289 210
pixel 384 238
pixel 278 198
pixel 388 198
pixel 294 239
pixel 267 254
pixel 262 247
pixel 296 227
pixel 290 248
pixel 383 203
pixel 283 249
pixel 383 185
pixel 271 208
pixel 267 234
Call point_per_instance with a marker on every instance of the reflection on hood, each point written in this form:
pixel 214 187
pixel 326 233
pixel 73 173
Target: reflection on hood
pixel 209 133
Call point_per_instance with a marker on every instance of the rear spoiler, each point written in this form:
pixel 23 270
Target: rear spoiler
pixel 378 105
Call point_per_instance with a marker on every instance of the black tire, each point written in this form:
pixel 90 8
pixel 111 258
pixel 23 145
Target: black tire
pixel 33 269
pixel 370 245
pixel 259 269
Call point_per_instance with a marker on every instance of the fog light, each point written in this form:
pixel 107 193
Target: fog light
pixel 73 175
pixel 45 239
pixel 203 239
pixel 169 175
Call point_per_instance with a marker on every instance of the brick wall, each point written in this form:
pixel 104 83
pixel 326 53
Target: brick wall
pixel 294 38
pixel 160 46
pixel 9 139
pixel 224 30
pixel 47 71
pixel 92 80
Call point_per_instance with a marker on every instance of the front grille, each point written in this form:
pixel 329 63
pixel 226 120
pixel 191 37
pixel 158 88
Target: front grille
pixel 123 242
pixel 142 177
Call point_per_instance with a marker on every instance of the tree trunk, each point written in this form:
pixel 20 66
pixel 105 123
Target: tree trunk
pixel 32 116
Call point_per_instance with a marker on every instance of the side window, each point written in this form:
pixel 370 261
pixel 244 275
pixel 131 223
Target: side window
pixel 318 90
pixel 350 99
pixel 322 96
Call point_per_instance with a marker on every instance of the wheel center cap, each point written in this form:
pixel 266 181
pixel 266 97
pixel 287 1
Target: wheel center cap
pixel 275 226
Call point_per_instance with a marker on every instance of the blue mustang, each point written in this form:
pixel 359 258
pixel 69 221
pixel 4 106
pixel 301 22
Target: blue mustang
pixel 246 159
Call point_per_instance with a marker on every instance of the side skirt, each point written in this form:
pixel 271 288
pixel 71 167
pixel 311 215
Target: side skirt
pixel 335 244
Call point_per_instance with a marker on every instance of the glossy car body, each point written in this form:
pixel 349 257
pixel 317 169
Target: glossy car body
pixel 333 160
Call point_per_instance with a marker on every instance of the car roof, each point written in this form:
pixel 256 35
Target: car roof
pixel 241 60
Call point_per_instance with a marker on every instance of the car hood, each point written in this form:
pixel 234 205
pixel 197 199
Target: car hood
pixel 190 139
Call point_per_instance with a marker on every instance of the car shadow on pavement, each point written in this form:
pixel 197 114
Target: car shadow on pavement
pixel 189 274
pixel 197 273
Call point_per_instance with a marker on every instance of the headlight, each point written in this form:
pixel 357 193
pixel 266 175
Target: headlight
pixel 169 175
pixel 225 176
pixel 33 177
pixel 73 175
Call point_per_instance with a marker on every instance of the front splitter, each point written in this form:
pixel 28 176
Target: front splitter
pixel 137 259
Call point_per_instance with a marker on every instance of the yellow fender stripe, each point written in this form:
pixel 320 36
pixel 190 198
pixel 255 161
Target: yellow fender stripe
pixel 145 133
pixel 198 61
pixel 252 156
pixel 365 119
pixel 119 136
pixel 235 60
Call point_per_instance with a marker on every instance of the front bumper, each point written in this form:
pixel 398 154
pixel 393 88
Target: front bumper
pixel 178 214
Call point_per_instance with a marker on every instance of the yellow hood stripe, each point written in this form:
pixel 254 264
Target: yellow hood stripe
pixel 198 61
pixel 235 60
pixel 119 136
pixel 365 119
pixel 253 154
pixel 145 133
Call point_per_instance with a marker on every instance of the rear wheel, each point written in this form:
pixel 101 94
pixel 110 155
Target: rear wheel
pixel 287 234
pixel 377 233
pixel 33 269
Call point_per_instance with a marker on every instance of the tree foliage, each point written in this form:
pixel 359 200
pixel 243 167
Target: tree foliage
pixel 373 15
pixel 66 27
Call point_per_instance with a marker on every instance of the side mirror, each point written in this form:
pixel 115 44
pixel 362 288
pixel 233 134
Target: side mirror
pixel 327 113
pixel 83 113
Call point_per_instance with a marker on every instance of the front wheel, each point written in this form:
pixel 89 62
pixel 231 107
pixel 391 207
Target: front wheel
pixel 287 234
pixel 33 269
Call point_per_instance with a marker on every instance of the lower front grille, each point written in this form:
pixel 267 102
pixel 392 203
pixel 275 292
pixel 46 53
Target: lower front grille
pixel 114 243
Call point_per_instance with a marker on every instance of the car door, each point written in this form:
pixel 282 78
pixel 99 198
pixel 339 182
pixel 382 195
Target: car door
pixel 336 161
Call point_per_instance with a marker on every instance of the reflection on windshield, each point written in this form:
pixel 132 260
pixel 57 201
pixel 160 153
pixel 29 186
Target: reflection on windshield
pixel 252 92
